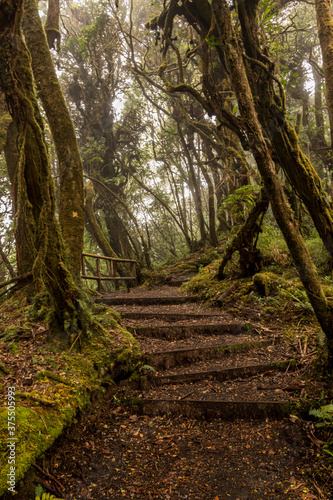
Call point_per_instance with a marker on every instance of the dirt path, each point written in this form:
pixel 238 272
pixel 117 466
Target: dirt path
pixel 116 454
pixel 162 440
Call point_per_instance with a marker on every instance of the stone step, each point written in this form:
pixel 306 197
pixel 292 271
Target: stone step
pixel 145 301
pixel 185 331
pixel 170 317
pixel 272 393
pixel 167 359
pixel 177 283
pixel 220 374
pixel 223 409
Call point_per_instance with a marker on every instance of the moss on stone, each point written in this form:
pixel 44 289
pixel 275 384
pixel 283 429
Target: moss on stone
pixel 266 283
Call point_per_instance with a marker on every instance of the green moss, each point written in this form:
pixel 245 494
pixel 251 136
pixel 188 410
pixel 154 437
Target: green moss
pixel 42 414
pixel 4 369
pixel 36 430
pixel 53 376
pixel 266 283
pixel 188 265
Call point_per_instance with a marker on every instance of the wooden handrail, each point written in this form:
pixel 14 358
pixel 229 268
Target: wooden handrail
pixel 116 259
pixel 111 276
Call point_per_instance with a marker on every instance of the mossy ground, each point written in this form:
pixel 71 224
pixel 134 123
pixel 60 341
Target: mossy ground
pixel 52 384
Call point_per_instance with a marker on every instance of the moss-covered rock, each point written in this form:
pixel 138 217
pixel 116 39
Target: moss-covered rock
pixel 266 283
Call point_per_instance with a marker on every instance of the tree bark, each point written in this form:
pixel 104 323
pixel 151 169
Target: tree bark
pixel 6 262
pixel 194 187
pixel 281 209
pixel 5 120
pixel 245 241
pixel 71 195
pixel 36 225
pixel 271 109
pixel 325 32
pixel 211 196
pixel 101 241
pixel 52 28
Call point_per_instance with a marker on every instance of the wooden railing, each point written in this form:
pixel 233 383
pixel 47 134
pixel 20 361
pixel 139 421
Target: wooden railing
pixel 112 261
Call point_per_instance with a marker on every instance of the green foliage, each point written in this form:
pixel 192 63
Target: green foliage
pixel 324 415
pixel 241 201
pixel 147 367
pixel 212 42
pixel 273 247
pixel 318 252
pixel 268 15
pixel 46 496
pixel 40 494
pixel 92 152
pixel 301 300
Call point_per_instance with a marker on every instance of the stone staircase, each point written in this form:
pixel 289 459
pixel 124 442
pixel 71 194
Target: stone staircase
pixel 201 362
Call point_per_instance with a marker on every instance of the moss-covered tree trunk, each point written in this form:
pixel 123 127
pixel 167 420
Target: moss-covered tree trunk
pixel 211 194
pixel 71 196
pixel 271 108
pixel 118 235
pixel 325 32
pixel 37 229
pixel 52 28
pixel 5 120
pixel 281 209
pixel 245 240
pixel 6 262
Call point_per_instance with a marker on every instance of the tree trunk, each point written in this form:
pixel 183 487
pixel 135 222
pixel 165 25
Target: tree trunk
pixel 194 188
pixel 52 28
pixel 101 241
pixel 271 110
pixel 36 225
pixel 6 262
pixel 211 197
pixel 325 32
pixel 71 195
pixel 5 120
pixel 245 241
pixel 281 210
pixel 118 235
pixel 317 138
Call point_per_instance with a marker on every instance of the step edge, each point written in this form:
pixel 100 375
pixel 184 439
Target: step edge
pixel 278 364
pixel 224 346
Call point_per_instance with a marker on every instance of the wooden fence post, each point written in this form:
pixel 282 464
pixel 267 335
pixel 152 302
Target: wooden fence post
pixel 83 265
pixel 99 275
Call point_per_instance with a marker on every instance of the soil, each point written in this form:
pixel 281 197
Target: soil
pixel 116 454
pixel 122 449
